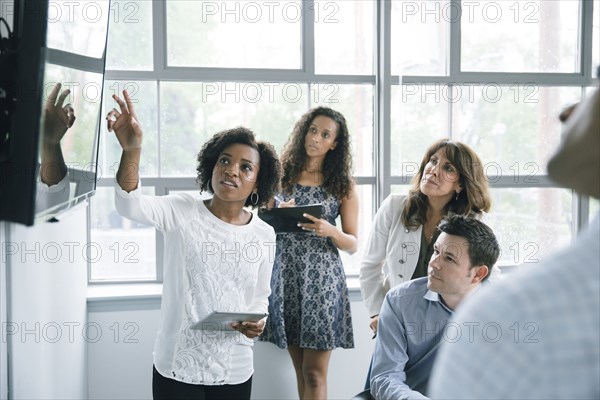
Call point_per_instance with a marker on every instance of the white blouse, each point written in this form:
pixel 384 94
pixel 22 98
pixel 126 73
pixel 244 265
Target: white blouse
pixel 209 265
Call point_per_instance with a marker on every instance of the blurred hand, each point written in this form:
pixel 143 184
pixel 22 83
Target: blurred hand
pixel 250 329
pixel 287 204
pixel 57 118
pixel 125 123
pixel 373 324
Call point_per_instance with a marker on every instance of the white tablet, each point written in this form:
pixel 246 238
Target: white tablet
pixel 221 321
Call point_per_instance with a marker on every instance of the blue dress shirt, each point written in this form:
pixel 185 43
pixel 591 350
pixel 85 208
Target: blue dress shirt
pixel 411 326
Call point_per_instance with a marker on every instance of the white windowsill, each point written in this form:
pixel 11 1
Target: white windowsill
pixel 144 291
pixel 124 291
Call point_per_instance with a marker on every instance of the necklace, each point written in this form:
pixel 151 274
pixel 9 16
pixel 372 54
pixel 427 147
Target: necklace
pixel 429 231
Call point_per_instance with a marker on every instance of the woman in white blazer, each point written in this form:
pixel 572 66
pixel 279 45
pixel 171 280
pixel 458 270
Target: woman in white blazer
pixel 451 179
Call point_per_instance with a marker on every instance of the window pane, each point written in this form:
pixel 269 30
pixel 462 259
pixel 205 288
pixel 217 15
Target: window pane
pixel 120 249
pixel 234 34
pixel 85 96
pixel 365 196
pixel 420 37
pixel 344 37
pixel 130 36
pixel 514 129
pixel 419 117
pixel 594 207
pixel 511 36
pixel 399 189
pixel 530 223
pixel 355 102
pixel 76 27
pixel 192 112
pixel 143 94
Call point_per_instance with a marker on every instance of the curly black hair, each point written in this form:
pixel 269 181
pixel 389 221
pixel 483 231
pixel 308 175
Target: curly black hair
pixel 269 174
pixel 337 167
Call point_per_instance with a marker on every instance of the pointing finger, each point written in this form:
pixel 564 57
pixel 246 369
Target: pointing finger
pixel 53 94
pixel 129 103
pixel 62 98
pixel 121 103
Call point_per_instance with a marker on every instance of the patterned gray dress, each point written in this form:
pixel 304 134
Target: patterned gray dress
pixel 309 305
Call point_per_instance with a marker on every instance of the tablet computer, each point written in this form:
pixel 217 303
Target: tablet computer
pixel 285 219
pixel 221 321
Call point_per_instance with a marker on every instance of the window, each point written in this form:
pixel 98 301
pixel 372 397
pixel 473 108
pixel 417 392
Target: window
pixel 494 76
pixel 532 36
pixel 234 34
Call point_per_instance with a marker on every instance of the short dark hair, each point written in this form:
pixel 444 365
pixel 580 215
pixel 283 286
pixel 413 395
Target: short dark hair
pixel 269 174
pixel 483 245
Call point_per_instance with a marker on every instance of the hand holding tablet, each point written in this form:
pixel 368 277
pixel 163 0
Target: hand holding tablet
pixel 286 219
pixel 224 321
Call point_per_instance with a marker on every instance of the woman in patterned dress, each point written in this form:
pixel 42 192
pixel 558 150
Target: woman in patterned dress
pixel 309 309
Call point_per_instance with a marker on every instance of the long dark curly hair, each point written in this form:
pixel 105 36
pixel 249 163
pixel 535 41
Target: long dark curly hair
pixel 269 174
pixel 473 199
pixel 337 166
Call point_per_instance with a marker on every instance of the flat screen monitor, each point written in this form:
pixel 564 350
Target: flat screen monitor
pixel 51 107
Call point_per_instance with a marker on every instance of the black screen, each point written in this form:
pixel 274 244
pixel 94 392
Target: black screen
pixel 45 171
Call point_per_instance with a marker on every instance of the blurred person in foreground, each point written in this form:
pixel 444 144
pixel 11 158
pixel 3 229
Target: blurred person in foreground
pixel 546 338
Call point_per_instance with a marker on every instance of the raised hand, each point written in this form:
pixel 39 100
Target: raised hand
pixel 127 128
pixel 57 118
pixel 125 123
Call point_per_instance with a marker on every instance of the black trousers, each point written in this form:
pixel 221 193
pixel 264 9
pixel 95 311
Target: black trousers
pixel 170 389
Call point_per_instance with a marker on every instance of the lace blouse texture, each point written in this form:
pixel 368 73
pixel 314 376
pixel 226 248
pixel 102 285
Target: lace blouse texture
pixel 209 265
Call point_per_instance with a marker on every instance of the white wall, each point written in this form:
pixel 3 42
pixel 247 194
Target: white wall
pixel 120 361
pixel 120 368
pixel 47 288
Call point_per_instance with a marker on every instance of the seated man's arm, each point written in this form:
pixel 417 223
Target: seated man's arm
pixel 388 377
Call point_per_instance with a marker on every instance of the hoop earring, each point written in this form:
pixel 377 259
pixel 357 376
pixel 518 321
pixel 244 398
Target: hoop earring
pixel 254 198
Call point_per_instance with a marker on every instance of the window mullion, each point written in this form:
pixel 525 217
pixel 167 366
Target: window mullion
pixel 454 70
pixel 586 28
pixel 450 109
pixel 159 35
pixel 504 78
pixel 308 38
pixel 382 112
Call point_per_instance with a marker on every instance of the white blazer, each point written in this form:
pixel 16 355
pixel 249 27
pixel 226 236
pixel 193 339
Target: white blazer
pixel 391 253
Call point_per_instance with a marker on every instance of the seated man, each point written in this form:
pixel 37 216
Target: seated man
pixel 414 315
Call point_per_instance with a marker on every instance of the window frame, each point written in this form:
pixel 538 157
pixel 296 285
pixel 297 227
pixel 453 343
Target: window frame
pixel 382 80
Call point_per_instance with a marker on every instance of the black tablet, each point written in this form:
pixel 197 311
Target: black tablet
pixel 285 219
